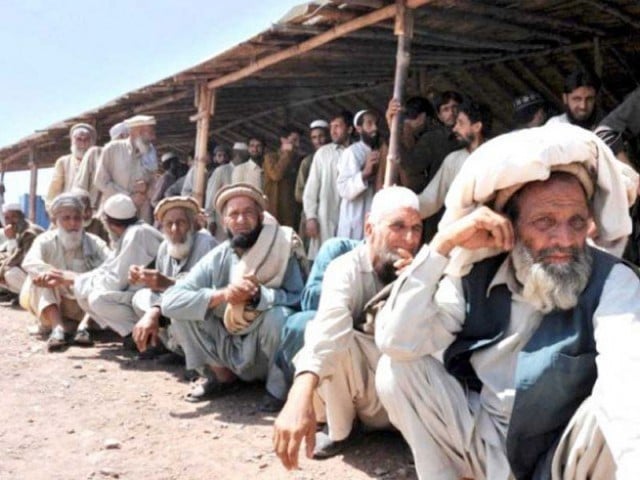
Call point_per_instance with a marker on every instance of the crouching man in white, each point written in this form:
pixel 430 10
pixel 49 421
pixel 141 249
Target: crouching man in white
pixel 541 333
pixel 335 369
pixel 182 248
pixel 105 293
pixel 55 258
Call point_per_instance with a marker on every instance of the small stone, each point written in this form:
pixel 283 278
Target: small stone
pixel 216 436
pixel 109 472
pixel 70 431
pixel 30 420
pixel 77 366
pixel 263 465
pixel 111 444
pixel 102 369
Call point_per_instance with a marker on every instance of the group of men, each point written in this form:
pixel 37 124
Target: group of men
pixel 498 335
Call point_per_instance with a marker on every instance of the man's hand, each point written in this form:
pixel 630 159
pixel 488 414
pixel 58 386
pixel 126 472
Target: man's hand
pixel 371 165
pixel 241 292
pixel 483 228
pixel 51 279
pixel 155 280
pixel 393 109
pixel 312 228
pixel 145 332
pixel 406 257
pixel 296 421
pixel 134 274
pixel 10 230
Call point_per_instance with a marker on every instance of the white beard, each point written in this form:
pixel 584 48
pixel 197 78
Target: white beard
pixel 180 251
pixel 76 152
pixel 141 145
pixel 548 286
pixel 70 240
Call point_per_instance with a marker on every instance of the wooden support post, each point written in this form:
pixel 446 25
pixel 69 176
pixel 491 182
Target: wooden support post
pixel 404 31
pixel 597 57
pixel 33 184
pixel 206 103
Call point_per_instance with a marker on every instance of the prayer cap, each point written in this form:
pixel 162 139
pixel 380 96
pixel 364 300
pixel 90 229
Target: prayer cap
pixel 66 200
pixel 11 207
pixel 318 124
pixel 120 207
pixel 527 100
pixel 357 116
pixel 168 156
pixel 390 199
pixel 140 121
pixel 240 189
pixel 82 127
pixel 168 203
pixel 240 146
pixel 118 130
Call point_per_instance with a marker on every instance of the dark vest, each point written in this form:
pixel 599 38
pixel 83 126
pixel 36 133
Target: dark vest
pixel 555 371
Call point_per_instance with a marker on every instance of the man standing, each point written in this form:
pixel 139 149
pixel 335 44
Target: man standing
pixel 188 187
pixel 66 168
pixel 523 306
pixel 338 360
pixel 173 169
pixel 579 97
pixel 255 148
pixel 105 293
pixel 183 246
pixel 356 176
pixel 249 170
pixel 529 110
pixel 321 200
pixel 53 261
pixel 227 313
pixel 128 166
pixel 280 172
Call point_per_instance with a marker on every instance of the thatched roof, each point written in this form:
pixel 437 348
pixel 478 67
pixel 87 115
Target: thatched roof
pixel 493 50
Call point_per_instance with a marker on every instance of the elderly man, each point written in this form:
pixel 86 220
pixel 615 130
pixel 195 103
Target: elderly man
pixel 522 305
pixel 128 166
pixel 90 223
pixel 54 260
pixel 20 234
pixel 105 293
pixel 321 200
pixel 66 168
pixel 579 97
pixel 227 313
pixel 183 246
pixel 338 361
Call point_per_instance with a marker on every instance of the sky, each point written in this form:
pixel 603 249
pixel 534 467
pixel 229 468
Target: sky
pixel 59 58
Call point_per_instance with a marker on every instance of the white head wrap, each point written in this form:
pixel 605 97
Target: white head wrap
pixel 318 124
pixel 240 146
pixel 509 161
pixel 82 128
pixel 391 199
pixel 11 207
pixel 357 116
pixel 120 207
pixel 118 130
pixel 66 200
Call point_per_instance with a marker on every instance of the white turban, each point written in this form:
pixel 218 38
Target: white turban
pixel 509 161
pixel 240 146
pixel 66 200
pixel 140 121
pixel 118 130
pixel 391 199
pixel 318 124
pixel 11 207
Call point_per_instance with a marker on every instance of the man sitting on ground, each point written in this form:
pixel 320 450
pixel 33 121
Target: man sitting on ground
pixel 183 246
pixel 53 261
pixel 338 361
pixel 227 313
pixel 541 330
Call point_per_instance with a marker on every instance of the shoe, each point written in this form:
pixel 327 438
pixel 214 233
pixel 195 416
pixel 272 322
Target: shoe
pixel 83 337
pixel 129 344
pixel 211 388
pixel 170 358
pixel 151 353
pixel 56 340
pixel 327 448
pixel 270 404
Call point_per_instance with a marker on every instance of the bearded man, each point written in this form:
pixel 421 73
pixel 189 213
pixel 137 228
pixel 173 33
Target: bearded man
pixel 523 306
pixel 183 246
pixel 227 313
pixel 128 166
pixel 54 260
pixel 90 222
pixel 335 368
pixel 579 97
pixel 105 293
pixel 66 168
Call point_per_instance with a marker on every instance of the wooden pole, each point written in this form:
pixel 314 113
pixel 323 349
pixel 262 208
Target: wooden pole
pixel 206 102
pixel 404 31
pixel 33 184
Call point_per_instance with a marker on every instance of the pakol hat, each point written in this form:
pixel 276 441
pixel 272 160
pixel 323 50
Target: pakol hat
pixel 140 121
pixel 168 203
pixel 239 190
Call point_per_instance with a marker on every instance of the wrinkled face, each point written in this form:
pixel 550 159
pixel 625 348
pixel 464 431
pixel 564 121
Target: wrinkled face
pixel 448 112
pixel 146 133
pixel 242 215
pixel 318 137
pixel 339 131
pixel 13 217
pixel 465 131
pixel 580 102
pixel 80 142
pixel 69 219
pixel 255 148
pixel 176 225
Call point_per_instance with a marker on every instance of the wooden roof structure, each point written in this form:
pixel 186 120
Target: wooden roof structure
pixel 327 55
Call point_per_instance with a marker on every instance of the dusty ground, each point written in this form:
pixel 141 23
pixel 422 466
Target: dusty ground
pixel 98 413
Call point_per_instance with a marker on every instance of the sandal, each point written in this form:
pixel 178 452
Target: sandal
pixel 211 388
pixel 83 337
pixel 56 340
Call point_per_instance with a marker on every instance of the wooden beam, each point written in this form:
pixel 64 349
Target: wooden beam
pixel 614 12
pixel 326 37
pixel 161 101
pixel 539 84
pixel 33 184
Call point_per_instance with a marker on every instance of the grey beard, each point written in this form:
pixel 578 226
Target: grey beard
pixel 70 240
pixel 76 152
pixel 180 251
pixel 141 145
pixel 551 286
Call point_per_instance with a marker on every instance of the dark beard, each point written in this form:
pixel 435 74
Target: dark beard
pixel 587 123
pixel 384 268
pixel 244 241
pixel 373 141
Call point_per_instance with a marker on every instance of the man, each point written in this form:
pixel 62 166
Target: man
pixel 522 305
pixel 85 178
pixel 255 148
pixel 319 136
pixel 280 172
pixel 249 170
pixel 83 136
pixel 338 360
pixel 622 124
pixel 579 97
pixel 20 234
pixel 228 312
pixel 472 128
pixel 90 223
pixel 188 187
pixel 321 201
pixel 105 293
pixel 173 169
pixel 54 260
pixel 128 166
pixel 529 110
pixel 356 176
pixel 183 246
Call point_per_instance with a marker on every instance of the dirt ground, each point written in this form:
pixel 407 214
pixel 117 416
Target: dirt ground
pixel 99 413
